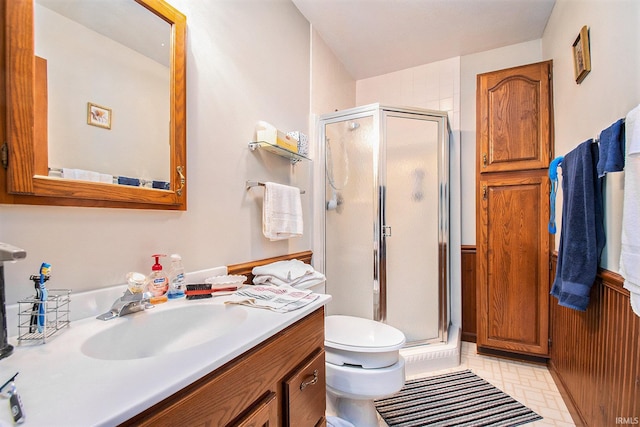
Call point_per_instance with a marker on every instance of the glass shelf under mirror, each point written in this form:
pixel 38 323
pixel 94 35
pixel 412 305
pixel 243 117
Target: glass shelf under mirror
pixel 275 149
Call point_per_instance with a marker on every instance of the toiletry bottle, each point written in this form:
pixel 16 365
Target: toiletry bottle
pixel 158 282
pixel 136 282
pixel 176 278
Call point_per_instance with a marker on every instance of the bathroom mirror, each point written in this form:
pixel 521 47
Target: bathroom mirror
pixel 145 145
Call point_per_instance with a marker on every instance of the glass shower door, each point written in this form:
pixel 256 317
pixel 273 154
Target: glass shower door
pixel 350 216
pixel 411 229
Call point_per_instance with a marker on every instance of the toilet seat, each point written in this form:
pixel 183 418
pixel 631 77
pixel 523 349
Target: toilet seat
pixel 356 341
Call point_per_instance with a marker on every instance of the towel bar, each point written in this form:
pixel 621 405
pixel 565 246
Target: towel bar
pixel 251 184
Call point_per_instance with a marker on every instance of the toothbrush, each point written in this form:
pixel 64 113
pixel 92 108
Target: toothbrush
pixel 45 270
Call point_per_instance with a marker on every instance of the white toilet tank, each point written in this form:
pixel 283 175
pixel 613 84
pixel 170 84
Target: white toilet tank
pixel 361 342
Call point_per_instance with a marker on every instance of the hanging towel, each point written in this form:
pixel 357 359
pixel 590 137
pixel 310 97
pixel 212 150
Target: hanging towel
pixel 553 176
pixel 582 233
pixel 630 248
pixel 611 149
pixel 281 212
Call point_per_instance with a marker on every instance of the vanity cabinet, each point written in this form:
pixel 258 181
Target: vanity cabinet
pixel 280 382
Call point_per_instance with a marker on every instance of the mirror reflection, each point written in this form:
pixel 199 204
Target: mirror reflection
pixel 105 82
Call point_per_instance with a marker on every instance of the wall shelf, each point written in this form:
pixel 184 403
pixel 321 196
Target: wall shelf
pixel 275 149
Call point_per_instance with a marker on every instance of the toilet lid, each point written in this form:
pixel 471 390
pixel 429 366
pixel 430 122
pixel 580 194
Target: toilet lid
pixel 358 334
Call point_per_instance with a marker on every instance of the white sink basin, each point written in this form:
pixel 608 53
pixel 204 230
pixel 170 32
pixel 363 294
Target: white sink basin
pixel 163 330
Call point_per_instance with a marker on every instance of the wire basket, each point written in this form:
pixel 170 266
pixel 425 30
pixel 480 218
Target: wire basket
pixel 56 316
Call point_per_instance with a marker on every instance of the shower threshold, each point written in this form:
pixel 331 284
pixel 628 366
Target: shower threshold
pixel 433 357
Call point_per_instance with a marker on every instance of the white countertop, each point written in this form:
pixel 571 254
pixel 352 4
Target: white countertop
pixel 61 386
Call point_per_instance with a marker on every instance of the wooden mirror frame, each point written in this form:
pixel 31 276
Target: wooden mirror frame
pixel 22 180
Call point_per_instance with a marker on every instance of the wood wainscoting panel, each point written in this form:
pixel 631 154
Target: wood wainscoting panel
pixel 468 282
pixel 595 355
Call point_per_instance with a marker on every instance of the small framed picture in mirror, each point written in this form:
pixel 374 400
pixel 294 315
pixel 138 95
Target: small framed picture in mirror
pixel 581 55
pixel 98 115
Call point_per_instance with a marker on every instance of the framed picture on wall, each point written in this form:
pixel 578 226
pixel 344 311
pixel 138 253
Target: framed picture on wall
pixel 581 55
pixel 98 115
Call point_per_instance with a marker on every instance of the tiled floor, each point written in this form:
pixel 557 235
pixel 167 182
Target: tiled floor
pixel 529 384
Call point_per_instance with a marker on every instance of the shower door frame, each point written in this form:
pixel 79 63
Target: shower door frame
pixel 379 113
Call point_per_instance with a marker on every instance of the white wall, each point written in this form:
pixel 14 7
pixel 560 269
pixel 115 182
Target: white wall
pixel 332 89
pixel 604 96
pixel 246 61
pixel 434 86
pixel 470 67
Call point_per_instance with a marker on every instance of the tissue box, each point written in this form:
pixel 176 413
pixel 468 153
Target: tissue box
pixel 276 137
pixel 303 142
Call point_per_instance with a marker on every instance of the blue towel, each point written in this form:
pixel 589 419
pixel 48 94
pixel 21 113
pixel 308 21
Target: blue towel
pixel 553 176
pixel 611 149
pixel 162 185
pixel 123 180
pixel 582 234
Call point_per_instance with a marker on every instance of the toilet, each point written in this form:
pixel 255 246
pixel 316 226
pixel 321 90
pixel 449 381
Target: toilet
pixel 363 363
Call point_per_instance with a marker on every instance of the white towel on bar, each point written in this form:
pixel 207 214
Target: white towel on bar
pixel 281 212
pixel 630 250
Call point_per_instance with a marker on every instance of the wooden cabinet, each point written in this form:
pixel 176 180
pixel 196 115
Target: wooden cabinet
pixel 514 141
pixel 280 382
pixel 468 283
pixel 514 118
pixel 513 256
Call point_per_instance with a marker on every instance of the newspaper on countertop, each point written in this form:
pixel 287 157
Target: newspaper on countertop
pixel 281 299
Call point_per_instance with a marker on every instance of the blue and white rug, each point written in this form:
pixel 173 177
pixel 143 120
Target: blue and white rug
pixel 455 399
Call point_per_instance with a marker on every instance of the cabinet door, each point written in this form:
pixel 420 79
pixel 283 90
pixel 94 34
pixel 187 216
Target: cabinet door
pixel 264 414
pixel 513 263
pixel 514 118
pixel 305 394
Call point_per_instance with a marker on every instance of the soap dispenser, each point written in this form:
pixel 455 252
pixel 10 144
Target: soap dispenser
pixel 176 278
pixel 158 282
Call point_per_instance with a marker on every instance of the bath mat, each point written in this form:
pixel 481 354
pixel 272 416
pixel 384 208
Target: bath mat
pixel 455 399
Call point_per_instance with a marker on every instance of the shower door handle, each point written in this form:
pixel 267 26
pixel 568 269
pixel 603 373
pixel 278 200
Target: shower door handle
pixel 386 230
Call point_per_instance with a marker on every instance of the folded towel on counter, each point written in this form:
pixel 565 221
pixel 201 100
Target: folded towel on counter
pixel 281 299
pixel 281 212
pixel 611 152
pixel 292 273
pixel 582 234
pixel 630 247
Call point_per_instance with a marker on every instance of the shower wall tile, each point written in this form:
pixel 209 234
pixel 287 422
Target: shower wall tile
pixel 434 86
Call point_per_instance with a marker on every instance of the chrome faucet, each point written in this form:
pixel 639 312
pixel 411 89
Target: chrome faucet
pixel 128 303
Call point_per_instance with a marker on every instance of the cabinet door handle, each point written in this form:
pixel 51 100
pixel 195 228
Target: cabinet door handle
pixel 312 381
pixel 484 192
pixel 484 160
pixel 180 170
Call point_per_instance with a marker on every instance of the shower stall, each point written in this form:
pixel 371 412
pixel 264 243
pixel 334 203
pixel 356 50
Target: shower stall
pixel 386 217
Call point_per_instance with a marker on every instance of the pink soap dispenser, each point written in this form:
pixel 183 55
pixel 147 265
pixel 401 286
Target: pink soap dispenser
pixel 158 282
